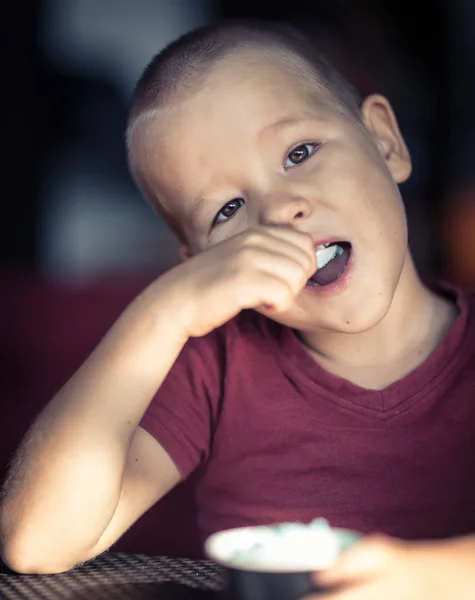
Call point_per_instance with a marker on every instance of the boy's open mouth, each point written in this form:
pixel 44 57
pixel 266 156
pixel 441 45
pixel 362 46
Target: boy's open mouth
pixel 332 260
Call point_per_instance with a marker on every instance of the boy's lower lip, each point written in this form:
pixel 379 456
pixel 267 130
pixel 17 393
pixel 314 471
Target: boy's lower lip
pixel 337 286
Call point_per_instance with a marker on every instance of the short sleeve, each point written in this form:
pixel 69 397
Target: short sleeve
pixel 183 413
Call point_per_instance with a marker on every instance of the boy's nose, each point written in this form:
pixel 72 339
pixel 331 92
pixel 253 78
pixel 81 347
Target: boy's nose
pixel 285 210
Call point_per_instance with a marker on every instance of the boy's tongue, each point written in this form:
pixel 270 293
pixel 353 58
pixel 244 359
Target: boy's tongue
pixel 330 272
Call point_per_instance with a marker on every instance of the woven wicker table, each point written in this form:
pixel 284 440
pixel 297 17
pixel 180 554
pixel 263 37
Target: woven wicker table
pixel 116 576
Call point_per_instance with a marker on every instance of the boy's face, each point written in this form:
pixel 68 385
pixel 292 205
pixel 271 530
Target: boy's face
pixel 254 145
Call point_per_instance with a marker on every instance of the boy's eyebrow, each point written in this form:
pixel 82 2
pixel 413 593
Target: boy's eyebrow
pixel 281 123
pixel 286 122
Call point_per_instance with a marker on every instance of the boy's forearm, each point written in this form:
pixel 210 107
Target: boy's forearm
pixel 65 481
pixel 460 565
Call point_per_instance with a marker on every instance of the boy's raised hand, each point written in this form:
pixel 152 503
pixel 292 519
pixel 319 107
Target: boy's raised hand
pixel 382 568
pixel 261 267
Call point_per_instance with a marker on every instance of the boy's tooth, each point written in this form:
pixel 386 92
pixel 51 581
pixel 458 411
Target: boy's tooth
pixel 321 247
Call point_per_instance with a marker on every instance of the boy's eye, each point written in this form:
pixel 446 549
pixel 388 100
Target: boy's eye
pixel 228 210
pixel 299 155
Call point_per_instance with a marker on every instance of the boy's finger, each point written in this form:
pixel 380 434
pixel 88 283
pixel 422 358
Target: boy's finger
pixel 348 593
pixel 286 242
pixel 291 235
pixel 363 560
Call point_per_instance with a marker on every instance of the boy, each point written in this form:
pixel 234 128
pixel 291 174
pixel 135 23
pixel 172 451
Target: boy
pixel 347 391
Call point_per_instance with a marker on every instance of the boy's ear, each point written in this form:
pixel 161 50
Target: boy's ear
pixel 185 252
pixel 380 120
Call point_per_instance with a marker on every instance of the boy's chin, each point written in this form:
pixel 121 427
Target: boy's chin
pixel 359 318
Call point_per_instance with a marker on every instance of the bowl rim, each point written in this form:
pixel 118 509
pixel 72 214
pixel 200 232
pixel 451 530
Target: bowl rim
pixel 347 537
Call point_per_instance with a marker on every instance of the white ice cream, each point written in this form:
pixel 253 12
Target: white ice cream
pixel 326 254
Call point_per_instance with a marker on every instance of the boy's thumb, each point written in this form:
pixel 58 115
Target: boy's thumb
pixel 363 559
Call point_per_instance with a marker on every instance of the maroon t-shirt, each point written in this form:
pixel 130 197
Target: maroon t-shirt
pixel 278 438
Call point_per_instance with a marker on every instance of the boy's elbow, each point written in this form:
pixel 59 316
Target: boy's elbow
pixel 25 553
pixel 27 562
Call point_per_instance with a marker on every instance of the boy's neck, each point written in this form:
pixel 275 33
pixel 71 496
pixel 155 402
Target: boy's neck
pixel 413 327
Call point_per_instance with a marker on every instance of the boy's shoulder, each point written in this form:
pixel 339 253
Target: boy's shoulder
pixel 460 339
pixel 467 300
pixel 470 295
pixel 463 297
